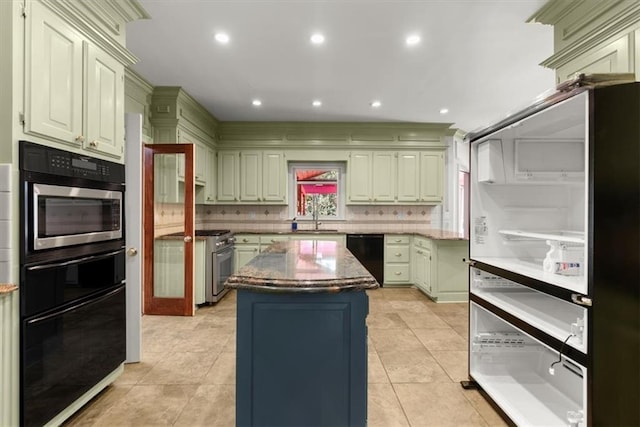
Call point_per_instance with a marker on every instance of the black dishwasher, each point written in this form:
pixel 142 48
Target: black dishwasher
pixel 369 250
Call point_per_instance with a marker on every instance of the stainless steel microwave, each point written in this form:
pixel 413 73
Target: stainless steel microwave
pixel 66 216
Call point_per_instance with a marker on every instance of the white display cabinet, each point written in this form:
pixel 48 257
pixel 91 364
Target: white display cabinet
pixel 554 253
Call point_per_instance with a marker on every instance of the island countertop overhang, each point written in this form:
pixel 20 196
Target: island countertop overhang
pixel 304 266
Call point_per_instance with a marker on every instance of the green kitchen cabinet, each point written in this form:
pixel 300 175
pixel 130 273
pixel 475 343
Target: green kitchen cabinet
pixel 200 157
pixel 421 264
pixel 246 247
pixel 431 176
pixel 372 176
pixel 252 176
pixel 402 177
pixel 359 173
pixel 74 90
pixel 408 176
pixel 228 176
pixel 438 268
pixel 397 267
pixel 209 191
pixel 274 177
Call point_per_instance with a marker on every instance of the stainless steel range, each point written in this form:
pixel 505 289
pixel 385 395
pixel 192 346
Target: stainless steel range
pixel 219 250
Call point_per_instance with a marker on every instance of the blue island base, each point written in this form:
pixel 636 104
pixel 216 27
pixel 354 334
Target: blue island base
pixel 301 359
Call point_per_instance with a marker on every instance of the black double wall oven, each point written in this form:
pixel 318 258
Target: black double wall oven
pixel 72 277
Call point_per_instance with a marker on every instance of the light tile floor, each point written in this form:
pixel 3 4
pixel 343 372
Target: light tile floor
pixel 417 356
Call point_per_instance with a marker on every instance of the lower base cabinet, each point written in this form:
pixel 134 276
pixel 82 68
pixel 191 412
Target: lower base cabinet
pixel 438 268
pixel 301 359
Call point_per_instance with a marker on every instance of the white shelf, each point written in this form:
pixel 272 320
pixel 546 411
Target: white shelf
pixel 541 311
pixel 576 237
pixel 527 398
pixel 533 268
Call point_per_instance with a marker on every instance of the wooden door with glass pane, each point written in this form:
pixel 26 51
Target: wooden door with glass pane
pixel 169 219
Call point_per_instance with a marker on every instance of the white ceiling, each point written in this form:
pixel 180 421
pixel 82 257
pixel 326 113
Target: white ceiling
pixel 478 58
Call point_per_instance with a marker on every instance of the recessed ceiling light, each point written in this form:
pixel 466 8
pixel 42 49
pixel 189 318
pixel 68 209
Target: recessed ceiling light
pixel 256 103
pixel 444 110
pixel 222 38
pixel 376 104
pixel 317 38
pixel 316 103
pixel 412 40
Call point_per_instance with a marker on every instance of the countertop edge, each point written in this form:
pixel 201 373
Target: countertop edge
pixel 431 234
pixel 6 288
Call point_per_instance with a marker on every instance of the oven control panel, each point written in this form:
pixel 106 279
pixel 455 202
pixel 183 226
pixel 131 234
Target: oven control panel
pixel 47 160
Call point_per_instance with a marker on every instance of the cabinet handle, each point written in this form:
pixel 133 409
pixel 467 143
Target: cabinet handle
pixel 80 138
pixel 398 254
pixel 398 240
pixel 94 143
pixel 244 240
pixel 273 241
pixel 397 273
pixel 420 252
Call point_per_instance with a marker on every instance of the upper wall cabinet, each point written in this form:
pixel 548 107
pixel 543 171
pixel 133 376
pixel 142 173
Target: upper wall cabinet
pixel 372 176
pixel 252 176
pixel 395 177
pixel 177 118
pixel 592 37
pixel 431 177
pixel 74 87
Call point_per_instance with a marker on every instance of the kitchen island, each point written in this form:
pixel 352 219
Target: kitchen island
pixel 301 336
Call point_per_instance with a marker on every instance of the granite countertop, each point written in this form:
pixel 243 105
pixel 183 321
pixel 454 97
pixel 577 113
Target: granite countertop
pixel 303 266
pixel 431 233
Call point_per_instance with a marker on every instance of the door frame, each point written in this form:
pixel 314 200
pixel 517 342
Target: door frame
pixel 168 306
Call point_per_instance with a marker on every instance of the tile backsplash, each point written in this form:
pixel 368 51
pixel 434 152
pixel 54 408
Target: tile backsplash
pixel 276 218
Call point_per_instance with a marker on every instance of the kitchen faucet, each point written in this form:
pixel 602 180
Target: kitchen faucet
pixel 314 214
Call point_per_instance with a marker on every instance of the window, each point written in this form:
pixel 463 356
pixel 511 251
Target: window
pixel 316 187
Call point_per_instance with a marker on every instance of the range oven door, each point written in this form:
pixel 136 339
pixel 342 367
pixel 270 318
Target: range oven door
pixel 222 268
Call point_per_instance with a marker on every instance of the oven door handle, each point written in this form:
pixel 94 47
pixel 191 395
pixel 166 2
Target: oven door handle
pixel 75 307
pixel 73 261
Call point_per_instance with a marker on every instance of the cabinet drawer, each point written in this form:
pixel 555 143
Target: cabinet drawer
pixel 396 239
pixel 273 238
pixel 422 242
pixel 397 253
pixel 247 239
pixel 396 273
